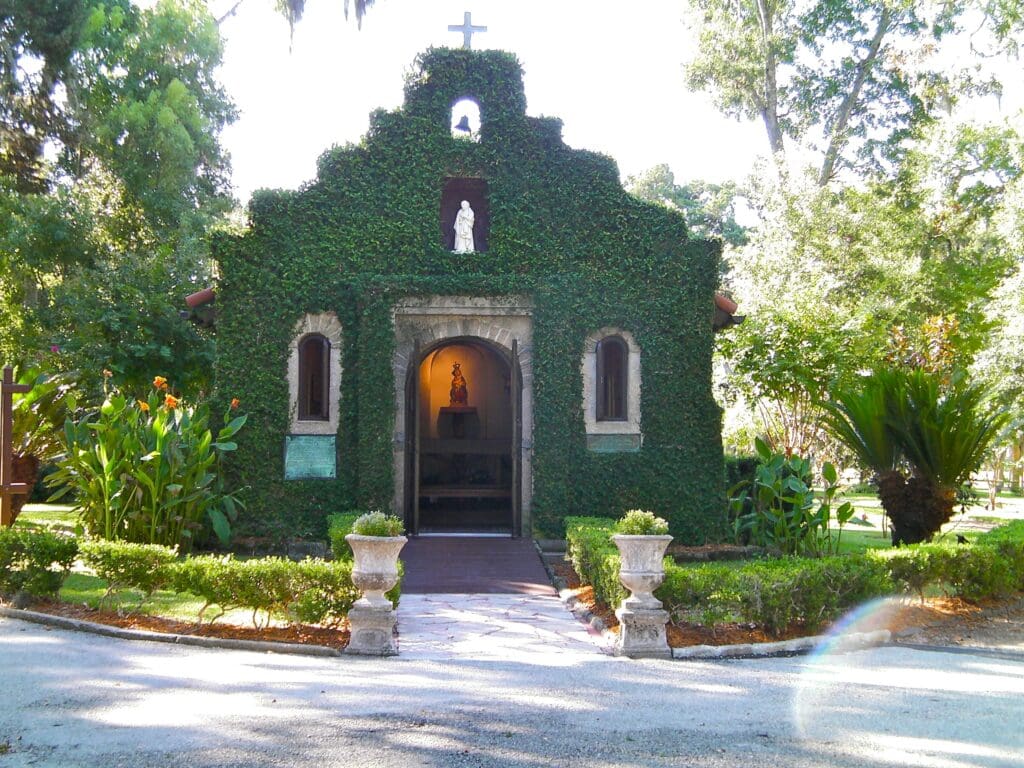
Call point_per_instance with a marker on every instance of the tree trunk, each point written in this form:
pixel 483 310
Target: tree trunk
pixel 837 138
pixel 892 492
pixel 25 470
pixel 917 508
pixel 770 97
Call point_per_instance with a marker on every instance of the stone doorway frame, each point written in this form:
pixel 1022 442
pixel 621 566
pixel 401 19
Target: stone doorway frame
pixel 435 319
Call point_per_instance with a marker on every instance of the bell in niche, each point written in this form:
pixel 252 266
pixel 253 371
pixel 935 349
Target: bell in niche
pixel 463 124
pixel 459 394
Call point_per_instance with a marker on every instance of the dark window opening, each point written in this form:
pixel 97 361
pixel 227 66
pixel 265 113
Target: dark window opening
pixel 474 192
pixel 612 378
pixel 314 378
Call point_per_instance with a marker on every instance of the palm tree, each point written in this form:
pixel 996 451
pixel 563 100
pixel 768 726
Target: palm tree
pixel 922 437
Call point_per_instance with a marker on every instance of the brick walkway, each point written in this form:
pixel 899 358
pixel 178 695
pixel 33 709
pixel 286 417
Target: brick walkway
pixel 473 565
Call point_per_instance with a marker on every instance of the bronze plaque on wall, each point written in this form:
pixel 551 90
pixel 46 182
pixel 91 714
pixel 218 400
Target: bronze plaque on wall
pixel 614 443
pixel 310 456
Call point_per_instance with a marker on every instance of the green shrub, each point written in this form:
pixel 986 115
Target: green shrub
pixel 594 556
pixel 149 471
pixel 1009 532
pixel 266 586
pixel 913 569
pixel 778 592
pixel 309 591
pixel 201 576
pixel 125 565
pixel 708 593
pixel 772 593
pixel 329 593
pixel 378 524
pixel 338 527
pixel 978 572
pixel 814 591
pixel 637 522
pixel 34 562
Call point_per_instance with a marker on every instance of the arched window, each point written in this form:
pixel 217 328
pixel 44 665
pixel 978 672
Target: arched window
pixel 611 391
pixel 612 379
pixel 314 378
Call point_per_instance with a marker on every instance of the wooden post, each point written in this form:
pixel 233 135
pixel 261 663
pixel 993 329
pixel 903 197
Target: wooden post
pixel 8 487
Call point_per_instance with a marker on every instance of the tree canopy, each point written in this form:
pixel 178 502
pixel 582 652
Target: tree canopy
pixel 111 169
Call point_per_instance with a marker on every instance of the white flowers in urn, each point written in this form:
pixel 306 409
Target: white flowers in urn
pixel 641 539
pixel 376 540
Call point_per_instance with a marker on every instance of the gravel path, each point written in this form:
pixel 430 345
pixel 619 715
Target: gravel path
pixel 74 699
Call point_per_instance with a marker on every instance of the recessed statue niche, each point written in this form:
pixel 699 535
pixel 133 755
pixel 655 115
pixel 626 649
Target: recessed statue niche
pixel 465 215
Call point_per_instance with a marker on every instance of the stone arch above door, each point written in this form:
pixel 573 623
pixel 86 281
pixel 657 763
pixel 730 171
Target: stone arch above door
pixel 434 319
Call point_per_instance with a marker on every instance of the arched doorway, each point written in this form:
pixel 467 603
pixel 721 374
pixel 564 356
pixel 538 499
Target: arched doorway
pixel 464 426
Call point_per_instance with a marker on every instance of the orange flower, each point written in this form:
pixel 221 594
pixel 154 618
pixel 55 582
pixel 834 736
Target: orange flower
pixel 235 402
pixel 143 406
pixel 171 401
pixel 160 383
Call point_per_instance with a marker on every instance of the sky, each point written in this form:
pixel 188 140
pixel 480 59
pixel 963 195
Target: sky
pixel 615 79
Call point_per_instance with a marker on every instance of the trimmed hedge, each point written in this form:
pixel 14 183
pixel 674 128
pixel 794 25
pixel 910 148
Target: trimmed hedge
pixel 34 562
pixel 125 565
pixel 594 557
pixel 972 572
pixel 310 591
pixel 338 527
pixel 775 593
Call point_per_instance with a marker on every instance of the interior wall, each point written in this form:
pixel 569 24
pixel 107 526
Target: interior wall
pixel 487 381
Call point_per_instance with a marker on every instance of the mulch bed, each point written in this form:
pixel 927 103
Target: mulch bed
pixel 297 633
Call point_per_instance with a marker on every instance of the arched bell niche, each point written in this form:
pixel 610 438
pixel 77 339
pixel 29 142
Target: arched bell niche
pixel 465 119
pixel 473 191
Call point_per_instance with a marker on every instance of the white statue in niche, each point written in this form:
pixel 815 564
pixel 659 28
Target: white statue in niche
pixel 464 229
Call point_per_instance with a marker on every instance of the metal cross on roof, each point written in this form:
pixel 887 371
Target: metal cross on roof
pixel 467 29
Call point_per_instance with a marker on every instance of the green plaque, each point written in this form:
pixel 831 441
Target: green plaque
pixel 614 443
pixel 307 456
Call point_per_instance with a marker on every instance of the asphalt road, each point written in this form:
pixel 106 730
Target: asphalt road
pixel 71 699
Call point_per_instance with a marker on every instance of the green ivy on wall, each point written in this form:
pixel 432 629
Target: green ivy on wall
pixel 366 234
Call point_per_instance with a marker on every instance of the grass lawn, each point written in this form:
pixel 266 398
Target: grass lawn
pixel 857 539
pixel 83 588
pixel 60 517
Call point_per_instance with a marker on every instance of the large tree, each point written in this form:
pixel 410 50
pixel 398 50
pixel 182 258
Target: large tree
pixel 850 79
pixel 710 208
pixel 832 274
pixel 111 164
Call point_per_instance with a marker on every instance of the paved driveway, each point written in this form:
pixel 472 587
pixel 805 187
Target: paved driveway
pixel 71 699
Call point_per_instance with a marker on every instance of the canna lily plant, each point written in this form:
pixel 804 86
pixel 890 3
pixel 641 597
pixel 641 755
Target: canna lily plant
pixel 149 471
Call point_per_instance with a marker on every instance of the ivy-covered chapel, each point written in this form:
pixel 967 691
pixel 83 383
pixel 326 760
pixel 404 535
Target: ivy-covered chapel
pixel 470 324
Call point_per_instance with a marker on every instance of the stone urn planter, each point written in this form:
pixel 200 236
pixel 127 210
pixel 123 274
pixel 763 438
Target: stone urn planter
pixel 641 617
pixel 374 572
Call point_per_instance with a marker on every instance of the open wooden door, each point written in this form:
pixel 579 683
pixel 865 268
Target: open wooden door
pixel 412 439
pixel 515 392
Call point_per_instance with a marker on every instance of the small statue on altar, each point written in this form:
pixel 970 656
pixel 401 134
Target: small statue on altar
pixel 459 393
